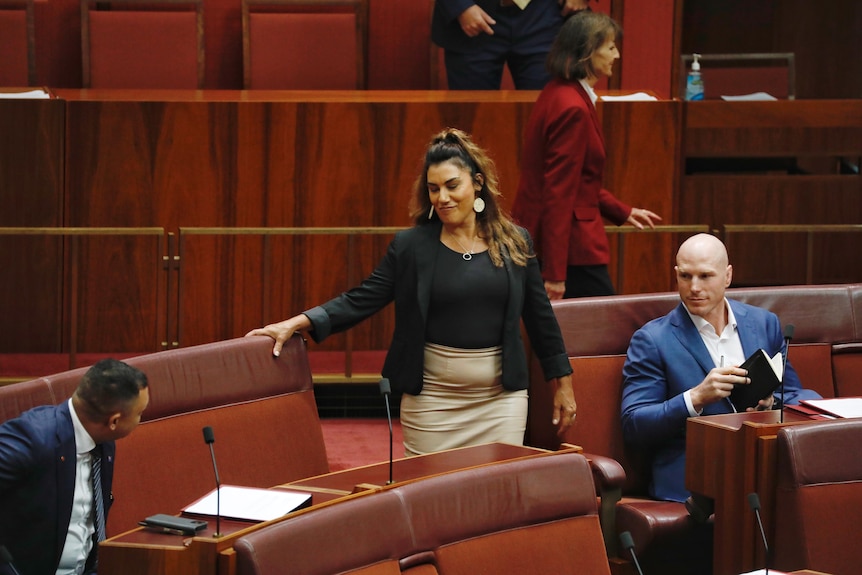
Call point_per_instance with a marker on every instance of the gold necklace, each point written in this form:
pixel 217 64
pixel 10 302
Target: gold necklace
pixel 468 254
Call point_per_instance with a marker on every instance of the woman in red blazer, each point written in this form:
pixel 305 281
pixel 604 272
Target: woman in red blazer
pixel 560 197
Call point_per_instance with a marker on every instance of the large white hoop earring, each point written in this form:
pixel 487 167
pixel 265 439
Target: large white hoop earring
pixel 478 205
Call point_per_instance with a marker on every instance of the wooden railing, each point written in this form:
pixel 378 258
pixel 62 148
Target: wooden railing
pixel 172 292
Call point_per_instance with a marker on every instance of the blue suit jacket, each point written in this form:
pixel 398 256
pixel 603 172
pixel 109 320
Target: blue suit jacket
pixel 37 484
pixel 667 357
pixel 405 276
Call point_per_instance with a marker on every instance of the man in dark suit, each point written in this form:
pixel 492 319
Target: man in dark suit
pixel 56 469
pixel 685 364
pixel 481 36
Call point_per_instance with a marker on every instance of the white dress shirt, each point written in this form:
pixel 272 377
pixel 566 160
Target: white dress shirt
pixel 79 537
pixel 724 348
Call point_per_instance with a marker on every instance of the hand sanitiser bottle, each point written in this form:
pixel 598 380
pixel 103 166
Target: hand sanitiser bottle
pixel 694 83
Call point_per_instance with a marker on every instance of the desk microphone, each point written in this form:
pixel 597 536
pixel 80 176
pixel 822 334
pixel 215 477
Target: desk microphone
pixel 386 390
pixel 629 545
pixel 210 439
pixel 754 503
pixel 788 336
pixel 6 560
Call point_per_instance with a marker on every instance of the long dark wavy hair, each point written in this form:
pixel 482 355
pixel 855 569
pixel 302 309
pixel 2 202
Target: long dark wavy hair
pixel 494 225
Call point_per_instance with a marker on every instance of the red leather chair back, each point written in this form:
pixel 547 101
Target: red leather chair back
pixel 17 49
pixel 160 48
pixel 819 498
pixel 302 45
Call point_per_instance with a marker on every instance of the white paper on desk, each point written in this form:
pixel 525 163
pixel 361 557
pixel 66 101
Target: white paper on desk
pixel 846 407
pixel 28 95
pixel 636 97
pixel 249 503
pixel 764 572
pixel 754 97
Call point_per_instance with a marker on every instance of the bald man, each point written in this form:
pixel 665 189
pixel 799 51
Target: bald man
pixel 685 364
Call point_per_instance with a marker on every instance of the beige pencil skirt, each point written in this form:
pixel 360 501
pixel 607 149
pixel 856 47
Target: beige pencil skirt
pixel 462 403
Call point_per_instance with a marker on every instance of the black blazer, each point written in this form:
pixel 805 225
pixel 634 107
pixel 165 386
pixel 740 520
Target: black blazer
pixel 405 275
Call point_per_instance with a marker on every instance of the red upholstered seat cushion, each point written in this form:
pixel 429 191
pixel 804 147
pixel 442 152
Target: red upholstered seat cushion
pixel 13 48
pixel 302 51
pixel 649 520
pixel 148 50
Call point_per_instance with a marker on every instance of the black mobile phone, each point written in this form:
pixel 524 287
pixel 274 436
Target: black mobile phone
pixel 174 524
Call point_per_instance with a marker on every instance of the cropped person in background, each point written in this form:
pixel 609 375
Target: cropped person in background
pixel 462 279
pixel 56 470
pixel 560 197
pixel 481 36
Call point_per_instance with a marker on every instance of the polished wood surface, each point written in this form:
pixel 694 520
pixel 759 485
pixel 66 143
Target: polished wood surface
pixel 188 159
pixel 146 552
pixel 771 163
pixel 31 184
pixel 642 144
pixel 728 457
pixel 271 160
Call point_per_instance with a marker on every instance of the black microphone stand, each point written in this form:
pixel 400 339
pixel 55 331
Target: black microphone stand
pixel 788 336
pixel 754 503
pixel 386 390
pixel 210 439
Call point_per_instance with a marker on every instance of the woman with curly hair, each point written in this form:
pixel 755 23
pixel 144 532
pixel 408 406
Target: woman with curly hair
pixel 462 279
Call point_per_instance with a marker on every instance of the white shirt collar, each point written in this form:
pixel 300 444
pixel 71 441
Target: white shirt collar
pixel 702 324
pixel 83 442
pixel 590 92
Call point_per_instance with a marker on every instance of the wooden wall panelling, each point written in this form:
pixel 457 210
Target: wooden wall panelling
pixel 324 163
pixel 115 297
pixel 139 163
pixel 772 129
pixel 642 144
pixel 31 187
pixel 760 148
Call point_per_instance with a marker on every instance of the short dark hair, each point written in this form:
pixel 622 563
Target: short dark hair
pixel 110 386
pixel 582 34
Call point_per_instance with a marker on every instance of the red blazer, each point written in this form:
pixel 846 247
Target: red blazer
pixel 560 197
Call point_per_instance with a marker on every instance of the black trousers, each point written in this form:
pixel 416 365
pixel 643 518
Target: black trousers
pixel 586 281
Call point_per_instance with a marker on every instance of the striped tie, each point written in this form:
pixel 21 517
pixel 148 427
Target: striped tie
pixel 98 502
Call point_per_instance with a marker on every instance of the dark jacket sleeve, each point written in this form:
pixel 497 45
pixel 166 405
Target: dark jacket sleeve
pixel 541 323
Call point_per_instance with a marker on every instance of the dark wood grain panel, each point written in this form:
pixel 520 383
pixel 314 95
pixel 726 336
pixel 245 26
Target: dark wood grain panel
pixel 120 295
pixel 779 258
pixel 31 193
pixel 764 199
pixel 642 142
pixel 769 129
pixel 325 164
pixel 151 163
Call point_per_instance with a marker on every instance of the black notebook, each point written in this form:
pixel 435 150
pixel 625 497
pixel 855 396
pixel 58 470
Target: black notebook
pixel 765 375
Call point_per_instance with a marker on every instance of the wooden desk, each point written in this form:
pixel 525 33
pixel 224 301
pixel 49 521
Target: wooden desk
pixel 728 457
pixel 145 552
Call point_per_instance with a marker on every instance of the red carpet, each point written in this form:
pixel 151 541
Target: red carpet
pixel 352 442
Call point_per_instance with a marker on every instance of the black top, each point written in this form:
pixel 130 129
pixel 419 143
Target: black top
pixel 405 275
pixel 468 301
